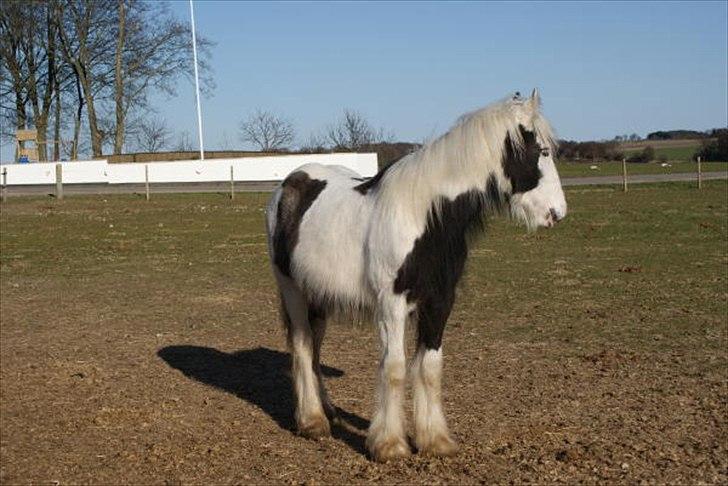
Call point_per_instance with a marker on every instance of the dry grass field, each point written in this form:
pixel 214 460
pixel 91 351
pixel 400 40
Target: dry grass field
pixel 140 344
pixel 659 144
pixel 680 150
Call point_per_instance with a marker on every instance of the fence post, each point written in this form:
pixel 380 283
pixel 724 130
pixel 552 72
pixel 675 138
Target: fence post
pixel 146 180
pixel 624 174
pixel 700 174
pixel 59 182
pixel 4 196
pixel 232 184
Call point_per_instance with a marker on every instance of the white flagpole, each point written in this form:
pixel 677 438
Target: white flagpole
pixel 197 82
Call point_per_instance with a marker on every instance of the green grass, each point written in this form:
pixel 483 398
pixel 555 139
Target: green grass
pixel 582 169
pixel 645 270
pixel 651 263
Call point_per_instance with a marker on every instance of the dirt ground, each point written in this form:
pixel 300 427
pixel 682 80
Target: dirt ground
pixel 140 344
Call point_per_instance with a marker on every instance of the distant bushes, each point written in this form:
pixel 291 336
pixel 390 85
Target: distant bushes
pixel 390 152
pixel 677 135
pixel 602 151
pixel 571 150
pixel 715 150
pixel 646 155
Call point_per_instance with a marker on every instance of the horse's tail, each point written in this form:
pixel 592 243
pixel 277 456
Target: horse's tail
pixel 285 316
pixel 271 218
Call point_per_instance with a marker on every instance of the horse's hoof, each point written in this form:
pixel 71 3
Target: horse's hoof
pixel 315 428
pixel 389 449
pixel 440 445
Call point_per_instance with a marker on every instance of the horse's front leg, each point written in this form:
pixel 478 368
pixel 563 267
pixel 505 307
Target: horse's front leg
pixel 431 433
pixel 386 438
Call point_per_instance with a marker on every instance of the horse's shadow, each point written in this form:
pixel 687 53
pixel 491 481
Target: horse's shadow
pixel 259 376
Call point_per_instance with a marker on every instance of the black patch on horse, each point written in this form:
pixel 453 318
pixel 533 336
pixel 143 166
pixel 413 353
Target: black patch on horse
pixel 433 268
pixel 521 164
pixel 373 182
pixel 299 192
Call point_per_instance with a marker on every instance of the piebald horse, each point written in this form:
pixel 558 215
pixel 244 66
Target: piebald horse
pixel 395 246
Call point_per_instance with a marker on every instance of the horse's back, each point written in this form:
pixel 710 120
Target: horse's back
pixel 333 174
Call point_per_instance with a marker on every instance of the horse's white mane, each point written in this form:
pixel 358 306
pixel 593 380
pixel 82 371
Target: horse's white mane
pixel 463 158
pixel 500 117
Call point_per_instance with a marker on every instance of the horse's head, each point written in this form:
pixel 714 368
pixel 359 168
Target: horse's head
pixel 536 197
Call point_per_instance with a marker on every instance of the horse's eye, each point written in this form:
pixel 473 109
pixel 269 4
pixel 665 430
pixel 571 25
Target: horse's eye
pixel 545 153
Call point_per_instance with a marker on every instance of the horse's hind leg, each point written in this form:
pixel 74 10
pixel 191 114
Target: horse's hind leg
pixel 310 417
pixel 317 320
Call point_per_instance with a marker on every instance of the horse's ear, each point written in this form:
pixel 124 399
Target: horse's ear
pixel 535 98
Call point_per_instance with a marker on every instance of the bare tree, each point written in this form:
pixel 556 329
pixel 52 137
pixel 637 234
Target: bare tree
pixel 86 39
pixel 225 141
pixel 353 132
pixel 119 76
pixel 12 67
pixel 152 135
pixel 267 131
pixel 61 59
pixel 106 129
pixel 28 52
pixel 315 143
pixel 184 142
pixel 120 50
pixel 153 50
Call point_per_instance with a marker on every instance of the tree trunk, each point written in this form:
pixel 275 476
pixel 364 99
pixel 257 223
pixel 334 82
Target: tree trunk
pixel 77 119
pixel 41 126
pixel 119 82
pixel 81 63
pixel 33 98
pixel 52 81
pixel 76 132
pixel 93 123
pixel 21 117
pixel 57 124
pixel 41 106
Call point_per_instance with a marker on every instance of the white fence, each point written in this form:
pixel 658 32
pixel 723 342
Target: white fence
pixel 244 169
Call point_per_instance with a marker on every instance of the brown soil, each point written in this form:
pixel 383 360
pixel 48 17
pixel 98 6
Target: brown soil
pixel 206 403
pixel 119 373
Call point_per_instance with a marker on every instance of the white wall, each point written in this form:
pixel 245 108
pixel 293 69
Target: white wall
pixel 44 173
pixel 244 169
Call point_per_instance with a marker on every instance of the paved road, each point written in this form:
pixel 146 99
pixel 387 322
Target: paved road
pixel 264 186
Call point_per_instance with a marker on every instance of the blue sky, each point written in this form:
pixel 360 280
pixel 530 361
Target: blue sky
pixel 603 68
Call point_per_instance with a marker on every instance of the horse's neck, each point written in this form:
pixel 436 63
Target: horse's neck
pixel 435 204
pixel 440 171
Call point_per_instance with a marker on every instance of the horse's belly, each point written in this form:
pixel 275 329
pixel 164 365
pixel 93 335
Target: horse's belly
pixel 330 278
